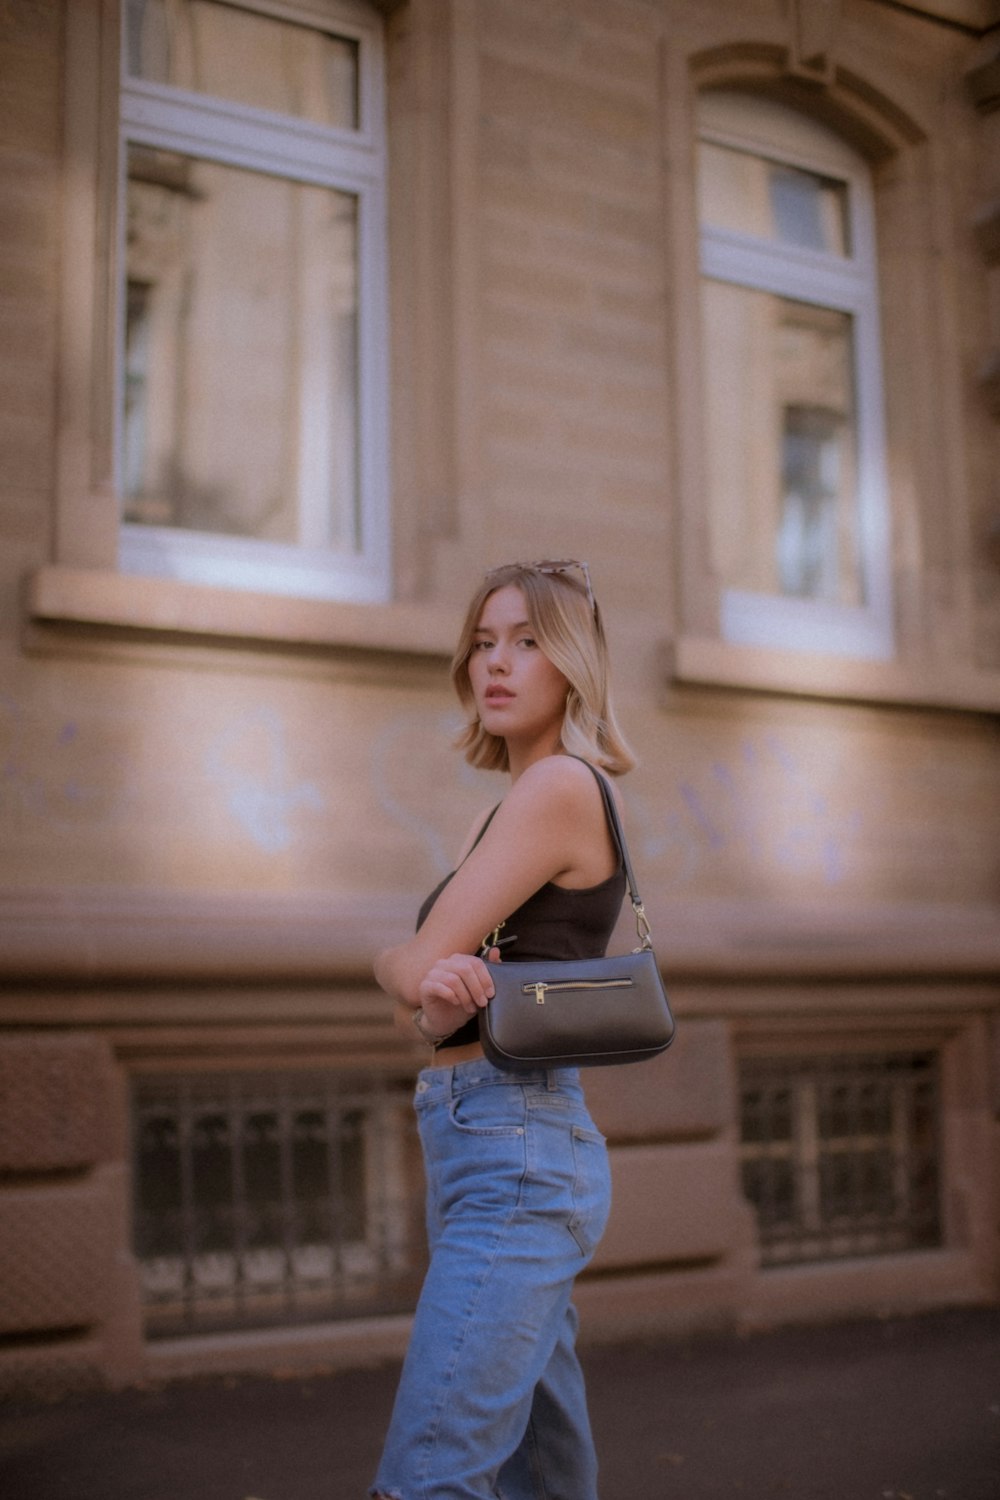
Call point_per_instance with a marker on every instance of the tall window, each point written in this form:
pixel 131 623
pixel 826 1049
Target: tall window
pixel 251 430
pixel 796 495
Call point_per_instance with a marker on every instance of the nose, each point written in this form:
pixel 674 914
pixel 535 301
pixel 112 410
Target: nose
pixel 497 661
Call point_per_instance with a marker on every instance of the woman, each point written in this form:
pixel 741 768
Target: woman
pixel 491 1400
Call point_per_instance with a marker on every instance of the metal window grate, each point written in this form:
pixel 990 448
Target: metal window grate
pixel 274 1198
pixel 840 1154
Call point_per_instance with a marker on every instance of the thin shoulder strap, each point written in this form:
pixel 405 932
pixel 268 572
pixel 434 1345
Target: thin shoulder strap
pixel 615 824
pixel 486 823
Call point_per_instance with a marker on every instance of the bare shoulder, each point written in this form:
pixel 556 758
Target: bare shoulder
pixel 563 781
pixel 551 826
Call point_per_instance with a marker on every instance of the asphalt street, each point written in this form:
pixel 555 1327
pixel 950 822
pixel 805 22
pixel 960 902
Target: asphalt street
pixel 891 1409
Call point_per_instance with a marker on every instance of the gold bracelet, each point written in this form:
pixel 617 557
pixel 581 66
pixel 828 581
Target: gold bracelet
pixel 428 1036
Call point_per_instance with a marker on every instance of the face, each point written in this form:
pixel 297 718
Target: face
pixel 519 694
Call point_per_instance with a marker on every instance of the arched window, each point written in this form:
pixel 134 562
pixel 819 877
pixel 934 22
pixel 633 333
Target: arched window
pixel 795 490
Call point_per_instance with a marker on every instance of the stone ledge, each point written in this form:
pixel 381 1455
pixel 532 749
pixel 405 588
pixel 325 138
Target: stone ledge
pixel 122 604
pixel 705 662
pixel 347 1345
pixel 84 939
pixel 880 1286
pixel 152 936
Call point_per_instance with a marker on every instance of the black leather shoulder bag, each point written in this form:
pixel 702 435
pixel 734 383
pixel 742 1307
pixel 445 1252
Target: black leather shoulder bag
pixel 580 1013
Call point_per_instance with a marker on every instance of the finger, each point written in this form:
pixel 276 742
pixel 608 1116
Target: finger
pixel 485 986
pixel 449 990
pixel 470 978
pixel 469 991
pixel 489 988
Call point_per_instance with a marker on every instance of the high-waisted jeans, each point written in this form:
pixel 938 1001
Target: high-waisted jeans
pixel 491 1402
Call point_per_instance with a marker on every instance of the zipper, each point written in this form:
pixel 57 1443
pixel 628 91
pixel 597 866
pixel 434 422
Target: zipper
pixel 539 986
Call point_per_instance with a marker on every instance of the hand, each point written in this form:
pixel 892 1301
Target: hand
pixel 454 988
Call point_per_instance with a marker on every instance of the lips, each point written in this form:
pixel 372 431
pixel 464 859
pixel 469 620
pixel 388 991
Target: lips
pixel 498 695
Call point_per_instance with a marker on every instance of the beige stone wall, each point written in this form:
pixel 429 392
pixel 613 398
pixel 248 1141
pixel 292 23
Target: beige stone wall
pixel 69 1300
pixel 240 799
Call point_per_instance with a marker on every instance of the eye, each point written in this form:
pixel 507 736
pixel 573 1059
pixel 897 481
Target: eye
pixel 482 644
pixel 528 640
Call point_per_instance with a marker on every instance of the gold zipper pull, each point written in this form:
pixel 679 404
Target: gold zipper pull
pixel 539 990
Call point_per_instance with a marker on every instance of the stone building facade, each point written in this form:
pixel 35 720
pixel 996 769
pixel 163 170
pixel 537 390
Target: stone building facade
pixel 313 309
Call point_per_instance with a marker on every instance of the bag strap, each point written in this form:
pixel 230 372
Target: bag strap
pixel 642 926
pixel 486 823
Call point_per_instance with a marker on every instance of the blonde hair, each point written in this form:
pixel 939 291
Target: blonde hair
pixel 567 625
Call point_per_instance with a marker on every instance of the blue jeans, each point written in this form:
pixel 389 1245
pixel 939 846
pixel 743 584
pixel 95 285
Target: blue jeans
pixel 491 1402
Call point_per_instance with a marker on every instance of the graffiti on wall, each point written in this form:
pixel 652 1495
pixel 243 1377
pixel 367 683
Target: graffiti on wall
pixel 58 775
pixel 765 805
pixel 762 807
pixel 393 746
pixel 250 764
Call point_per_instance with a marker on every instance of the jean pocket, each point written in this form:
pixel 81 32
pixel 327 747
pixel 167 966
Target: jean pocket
pixel 591 1188
pixel 497 1110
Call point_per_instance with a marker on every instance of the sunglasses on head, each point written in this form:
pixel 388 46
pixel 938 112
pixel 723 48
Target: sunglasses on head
pixel 562 565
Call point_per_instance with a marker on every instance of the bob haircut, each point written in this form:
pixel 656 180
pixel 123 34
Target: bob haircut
pixel 567 624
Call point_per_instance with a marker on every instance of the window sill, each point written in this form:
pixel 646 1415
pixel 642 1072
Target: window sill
pixel 702 662
pixel 123 604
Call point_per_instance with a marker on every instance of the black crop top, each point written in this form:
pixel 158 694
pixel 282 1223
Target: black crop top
pixel 554 922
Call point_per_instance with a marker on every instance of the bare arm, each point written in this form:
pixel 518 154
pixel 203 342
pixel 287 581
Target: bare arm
pixel 550 825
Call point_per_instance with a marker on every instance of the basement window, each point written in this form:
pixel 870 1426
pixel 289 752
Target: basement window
pixel 274 1198
pixel 840 1154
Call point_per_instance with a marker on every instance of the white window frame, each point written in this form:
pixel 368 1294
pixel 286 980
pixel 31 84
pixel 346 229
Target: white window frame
pixel 353 161
pixel 846 284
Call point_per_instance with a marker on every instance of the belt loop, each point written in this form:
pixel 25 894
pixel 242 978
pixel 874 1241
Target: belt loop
pixel 551 1081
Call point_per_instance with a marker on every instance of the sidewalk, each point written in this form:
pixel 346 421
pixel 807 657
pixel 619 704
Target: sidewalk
pixel 903 1409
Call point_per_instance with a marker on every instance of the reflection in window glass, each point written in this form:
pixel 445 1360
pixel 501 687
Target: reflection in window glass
pixel 781 445
pixel 252 59
pixel 812 455
pixel 137 307
pixel 770 200
pixel 241 353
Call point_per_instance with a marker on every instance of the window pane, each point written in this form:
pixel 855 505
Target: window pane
pixel 859 1172
pixel 212 48
pixel 780 429
pixel 274 1198
pixel 772 201
pixel 240 410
